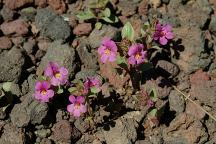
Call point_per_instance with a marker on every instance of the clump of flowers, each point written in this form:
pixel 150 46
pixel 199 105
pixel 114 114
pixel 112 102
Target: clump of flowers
pixel 43 92
pixel 137 54
pixel 57 75
pixel 55 81
pixel 134 55
pixel 108 50
pixel 163 33
pixel 77 106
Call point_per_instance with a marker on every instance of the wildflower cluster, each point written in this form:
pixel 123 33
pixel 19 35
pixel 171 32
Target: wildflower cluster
pixel 53 81
pixel 132 55
pixel 136 53
pixel 54 76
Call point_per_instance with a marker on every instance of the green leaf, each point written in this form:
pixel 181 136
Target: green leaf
pixel 121 61
pixel 60 90
pixel 2 94
pixel 7 86
pixel 98 3
pixel 106 12
pixel 111 19
pixel 128 32
pixel 92 96
pixel 94 90
pixel 72 89
pixel 85 15
pixel 98 25
pixel 153 95
pixel 5 107
pixel 153 113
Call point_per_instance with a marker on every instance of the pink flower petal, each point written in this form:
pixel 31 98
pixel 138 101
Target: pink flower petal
pixel 45 85
pixel 63 71
pixel 72 99
pixel 169 35
pixel 54 81
pixel 80 99
pixel 70 108
pixel 38 86
pixel 101 50
pixel 132 60
pixel 112 57
pixel 76 112
pixel 167 27
pixel 163 40
pixel 83 108
pixel 104 58
pixel 50 93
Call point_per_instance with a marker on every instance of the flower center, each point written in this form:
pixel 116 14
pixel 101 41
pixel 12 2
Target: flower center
pixel 107 51
pixel 162 33
pixel 138 56
pixel 43 92
pixel 77 106
pixel 57 75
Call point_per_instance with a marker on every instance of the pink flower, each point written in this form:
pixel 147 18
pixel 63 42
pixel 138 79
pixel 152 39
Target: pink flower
pixel 150 103
pixel 58 75
pixel 108 50
pixel 136 53
pixel 43 92
pixel 91 82
pixel 77 107
pixel 163 33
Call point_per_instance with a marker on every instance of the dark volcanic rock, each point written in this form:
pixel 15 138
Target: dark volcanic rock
pixel 97 36
pixel 51 25
pixel 29 111
pixel 62 131
pixel 167 69
pixel 87 57
pixel 13 135
pixel 11 64
pixel 60 53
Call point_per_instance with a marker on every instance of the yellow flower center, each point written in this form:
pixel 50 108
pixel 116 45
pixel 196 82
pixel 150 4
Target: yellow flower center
pixel 138 56
pixel 57 75
pixel 77 106
pixel 43 92
pixel 107 51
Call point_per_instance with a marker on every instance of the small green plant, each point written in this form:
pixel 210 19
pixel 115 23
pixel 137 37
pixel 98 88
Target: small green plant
pixel 97 10
pixel 6 98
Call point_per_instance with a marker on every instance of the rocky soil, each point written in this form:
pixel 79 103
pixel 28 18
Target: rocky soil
pixel 34 32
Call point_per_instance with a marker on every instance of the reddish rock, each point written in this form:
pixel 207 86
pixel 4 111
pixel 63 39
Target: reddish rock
pixel 40 3
pixel 5 43
pixel 198 77
pixel 12 135
pixel 143 8
pixel 205 92
pixel 58 5
pixel 17 40
pixel 108 70
pixel 73 21
pixel 14 4
pixel 185 129
pixel 18 27
pixel 195 111
pixel 82 29
pixel 62 132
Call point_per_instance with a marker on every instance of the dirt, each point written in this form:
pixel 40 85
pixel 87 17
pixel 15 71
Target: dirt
pixel 34 32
